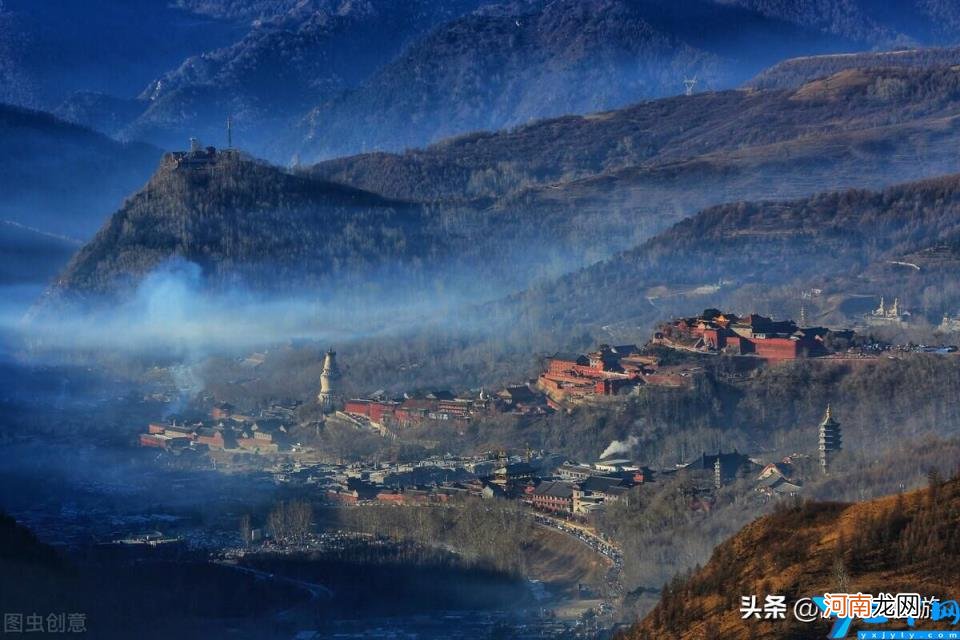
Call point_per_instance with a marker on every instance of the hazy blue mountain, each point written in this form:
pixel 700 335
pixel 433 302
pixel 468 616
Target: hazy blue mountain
pixel 507 64
pixel 100 111
pixel 48 50
pixel 247 222
pixel 63 178
pixel 31 257
pixel 875 23
pixel 902 116
pixel 249 225
pixel 378 75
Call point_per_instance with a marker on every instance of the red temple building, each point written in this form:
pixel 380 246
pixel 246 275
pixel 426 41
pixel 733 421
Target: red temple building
pixel 715 332
pixel 608 371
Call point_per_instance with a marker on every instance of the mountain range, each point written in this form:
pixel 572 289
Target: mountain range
pixel 853 111
pixel 581 188
pixel 613 179
pixel 902 242
pixel 322 78
pixel 585 188
pixel 257 229
pixel 879 23
pixel 285 65
pixel 506 65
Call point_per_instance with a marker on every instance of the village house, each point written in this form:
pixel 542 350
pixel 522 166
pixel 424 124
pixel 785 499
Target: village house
pixel 590 494
pixel 413 412
pixel 197 156
pixel 572 472
pixel 451 490
pixel 352 490
pixel 521 399
pixel 774 469
pixel 222 410
pixel 553 496
pixel 674 376
pixel 263 435
pixel 181 431
pixel 608 371
pixel 214 438
pixel 513 477
pixel 949 324
pixel 168 435
pixel 778 485
pixel 776 478
pixel 382 412
pixel 405 496
pixel 614 465
pixel 623 469
pixel 156 440
pixel 285 411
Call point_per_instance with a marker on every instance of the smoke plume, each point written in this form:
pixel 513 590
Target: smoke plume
pixel 620 446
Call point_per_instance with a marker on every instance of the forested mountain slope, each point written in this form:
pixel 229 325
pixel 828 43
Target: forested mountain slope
pixel 288 62
pixel 237 218
pixel 760 255
pixel 900 544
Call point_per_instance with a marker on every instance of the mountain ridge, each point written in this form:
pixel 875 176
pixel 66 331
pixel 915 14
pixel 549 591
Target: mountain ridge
pixel 793 72
pixel 647 134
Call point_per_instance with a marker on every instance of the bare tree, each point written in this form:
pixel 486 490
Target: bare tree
pixel 291 521
pixel 246 530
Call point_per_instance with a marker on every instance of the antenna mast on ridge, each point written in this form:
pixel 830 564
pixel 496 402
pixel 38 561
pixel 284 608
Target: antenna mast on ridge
pixel 689 84
pixel 229 132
